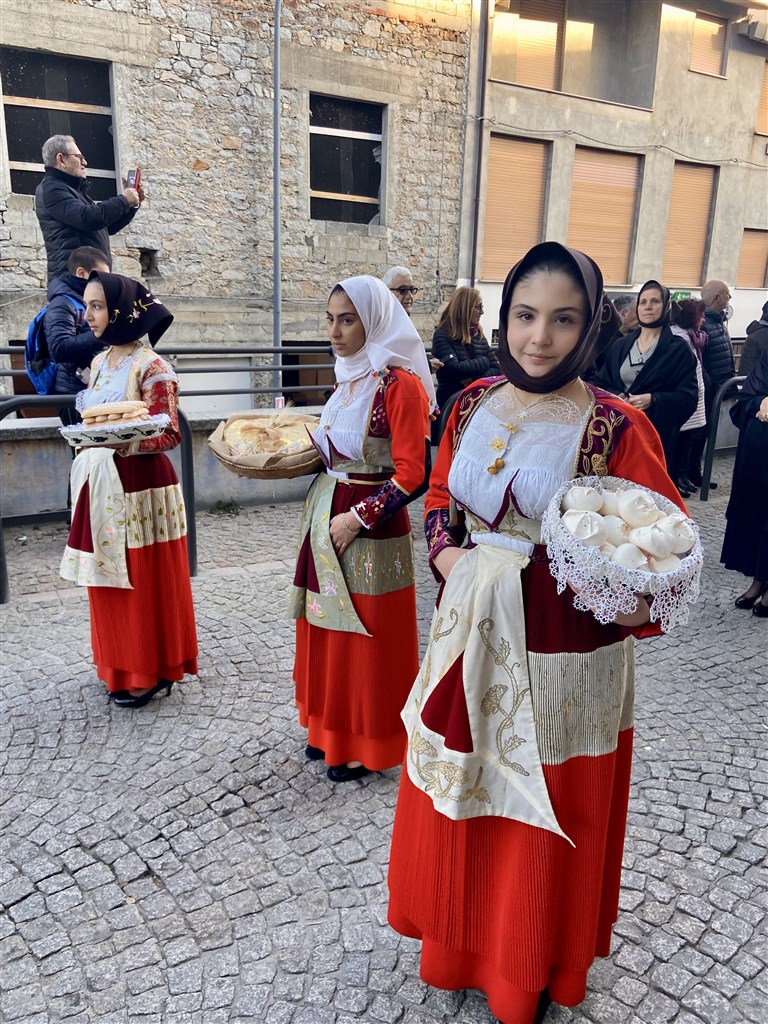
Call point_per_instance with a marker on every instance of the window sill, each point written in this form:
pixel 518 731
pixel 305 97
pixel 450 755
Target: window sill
pixel 571 95
pixel 709 74
pixel 344 227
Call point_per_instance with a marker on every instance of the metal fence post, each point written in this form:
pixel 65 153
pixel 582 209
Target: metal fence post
pixel 188 489
pixel 714 421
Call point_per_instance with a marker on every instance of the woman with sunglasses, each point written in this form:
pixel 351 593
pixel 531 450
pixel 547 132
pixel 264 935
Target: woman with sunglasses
pixel 459 343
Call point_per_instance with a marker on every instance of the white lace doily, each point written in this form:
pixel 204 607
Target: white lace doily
pixel 606 588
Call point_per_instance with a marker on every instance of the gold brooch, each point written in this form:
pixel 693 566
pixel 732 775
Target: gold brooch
pixel 496 466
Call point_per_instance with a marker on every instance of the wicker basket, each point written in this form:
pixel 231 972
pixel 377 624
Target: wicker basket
pixel 266 465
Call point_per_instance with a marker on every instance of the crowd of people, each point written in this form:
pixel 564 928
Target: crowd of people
pixel 505 866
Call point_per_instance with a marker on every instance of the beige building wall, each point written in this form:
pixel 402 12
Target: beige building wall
pixel 695 117
pixel 192 101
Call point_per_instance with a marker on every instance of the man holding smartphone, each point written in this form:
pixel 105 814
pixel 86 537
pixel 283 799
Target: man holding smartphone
pixel 68 217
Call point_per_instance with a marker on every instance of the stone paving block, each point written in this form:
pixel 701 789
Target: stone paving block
pixel 712 1007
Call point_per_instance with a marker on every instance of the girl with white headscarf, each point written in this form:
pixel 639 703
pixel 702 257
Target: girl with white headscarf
pixel 354 589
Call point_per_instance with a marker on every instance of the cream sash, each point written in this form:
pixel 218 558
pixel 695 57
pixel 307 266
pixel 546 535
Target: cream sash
pixel 481 617
pixel 106 565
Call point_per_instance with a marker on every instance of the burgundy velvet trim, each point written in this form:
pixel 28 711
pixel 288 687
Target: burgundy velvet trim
pixel 306 573
pixel 445 712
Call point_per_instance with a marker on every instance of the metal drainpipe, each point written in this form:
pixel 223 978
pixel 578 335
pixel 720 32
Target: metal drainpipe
pixel 277 293
pixel 485 17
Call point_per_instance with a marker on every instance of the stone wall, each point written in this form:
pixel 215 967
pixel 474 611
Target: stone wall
pixel 192 100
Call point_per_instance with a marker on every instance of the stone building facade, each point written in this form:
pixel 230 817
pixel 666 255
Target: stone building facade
pixel 192 105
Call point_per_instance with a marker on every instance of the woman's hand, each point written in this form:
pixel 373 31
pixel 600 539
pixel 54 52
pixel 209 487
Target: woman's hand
pixel 343 529
pixel 762 412
pixel 446 559
pixel 638 617
pixel 640 401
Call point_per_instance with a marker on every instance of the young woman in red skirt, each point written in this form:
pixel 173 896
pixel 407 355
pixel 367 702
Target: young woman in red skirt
pixel 509 829
pixel 127 543
pixel 354 596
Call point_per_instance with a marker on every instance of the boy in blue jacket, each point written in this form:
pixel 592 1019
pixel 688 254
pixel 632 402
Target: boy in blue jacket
pixel 70 342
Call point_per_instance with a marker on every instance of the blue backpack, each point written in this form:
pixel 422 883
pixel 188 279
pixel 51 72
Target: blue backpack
pixel 41 370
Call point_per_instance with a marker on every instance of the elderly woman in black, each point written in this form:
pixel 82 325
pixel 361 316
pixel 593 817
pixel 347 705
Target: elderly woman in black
pixel 652 369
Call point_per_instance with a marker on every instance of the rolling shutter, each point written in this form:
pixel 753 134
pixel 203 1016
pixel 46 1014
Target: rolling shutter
pixel 690 208
pixel 708 52
pixel 602 214
pixel 753 265
pixel 527 42
pixel 762 110
pixel 514 202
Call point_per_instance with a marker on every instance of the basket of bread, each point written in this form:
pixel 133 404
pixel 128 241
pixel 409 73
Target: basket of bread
pixel 115 423
pixel 267 446
pixel 610 539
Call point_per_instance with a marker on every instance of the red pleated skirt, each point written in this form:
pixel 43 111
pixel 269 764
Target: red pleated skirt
pixel 148 633
pixel 350 688
pixel 503 906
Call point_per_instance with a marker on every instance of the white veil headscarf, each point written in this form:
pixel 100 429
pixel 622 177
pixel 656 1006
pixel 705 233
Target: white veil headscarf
pixel 390 337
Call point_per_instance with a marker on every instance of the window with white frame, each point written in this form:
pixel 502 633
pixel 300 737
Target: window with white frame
pixel 346 141
pixel 47 94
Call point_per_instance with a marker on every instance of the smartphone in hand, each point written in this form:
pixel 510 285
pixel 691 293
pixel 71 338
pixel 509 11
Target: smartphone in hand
pixel 133 178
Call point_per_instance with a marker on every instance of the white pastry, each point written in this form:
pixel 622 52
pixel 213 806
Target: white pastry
pixel 637 508
pixel 586 499
pixel 586 527
pixel 652 540
pixel 616 530
pixel 668 564
pixel 607 549
pixel 677 526
pixel 610 503
pixel 630 556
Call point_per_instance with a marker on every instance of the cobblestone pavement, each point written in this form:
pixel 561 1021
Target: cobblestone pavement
pixel 185 864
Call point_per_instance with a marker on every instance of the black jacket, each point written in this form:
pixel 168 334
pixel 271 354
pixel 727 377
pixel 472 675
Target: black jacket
pixel 669 377
pixel 70 342
pixel 717 361
pixel 69 218
pixel 756 343
pixel 462 364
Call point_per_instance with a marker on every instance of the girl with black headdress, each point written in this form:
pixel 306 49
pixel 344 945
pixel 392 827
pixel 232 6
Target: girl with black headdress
pixel 654 370
pixel 127 542
pixel 509 829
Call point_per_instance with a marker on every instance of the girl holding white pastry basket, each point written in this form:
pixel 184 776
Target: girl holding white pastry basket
pixel 509 830
pixel 127 542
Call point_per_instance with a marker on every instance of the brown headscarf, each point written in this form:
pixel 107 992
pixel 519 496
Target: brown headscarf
pixel 133 311
pixel 550 254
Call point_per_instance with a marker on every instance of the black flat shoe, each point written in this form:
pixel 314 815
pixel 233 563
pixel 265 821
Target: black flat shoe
pixel 341 773
pixel 145 698
pixel 688 484
pixel 682 490
pixel 315 753
pixel 761 610
pixel 750 602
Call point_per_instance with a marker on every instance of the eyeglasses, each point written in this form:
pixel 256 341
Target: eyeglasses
pixel 404 289
pixel 79 156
